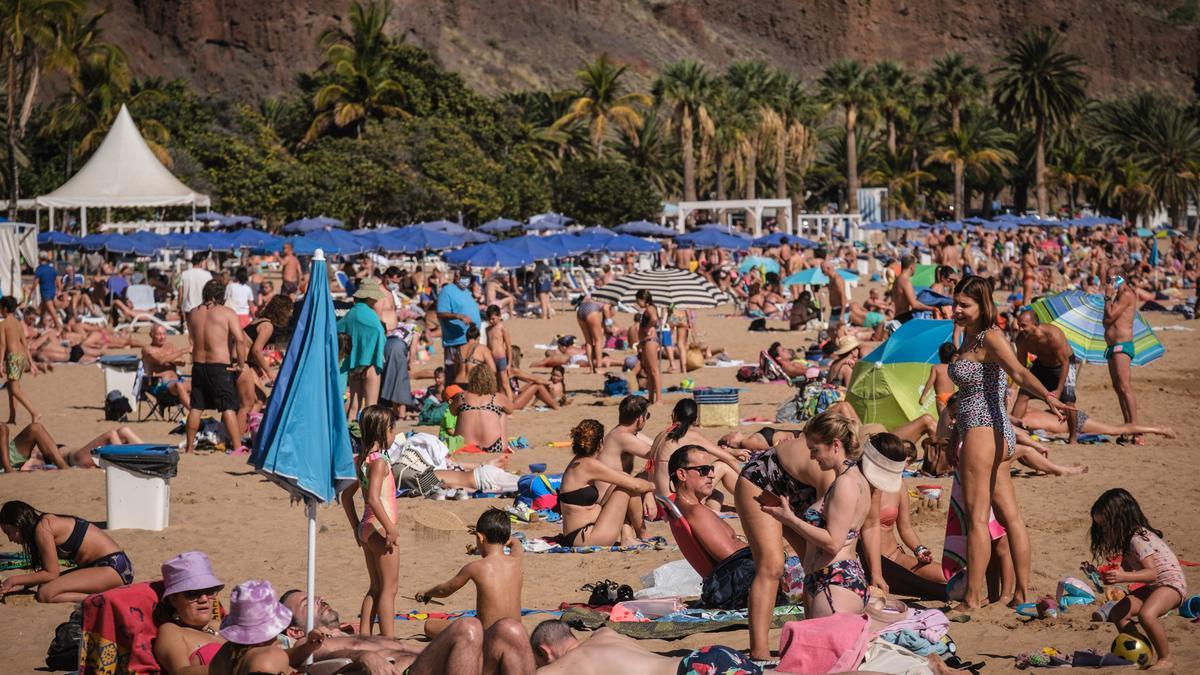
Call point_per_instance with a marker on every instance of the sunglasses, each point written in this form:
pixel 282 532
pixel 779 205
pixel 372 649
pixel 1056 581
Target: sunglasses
pixel 703 469
pixel 203 592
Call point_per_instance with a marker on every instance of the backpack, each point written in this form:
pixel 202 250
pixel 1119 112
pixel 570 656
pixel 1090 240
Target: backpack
pixel 63 653
pixel 615 386
pixel 432 412
pixel 116 407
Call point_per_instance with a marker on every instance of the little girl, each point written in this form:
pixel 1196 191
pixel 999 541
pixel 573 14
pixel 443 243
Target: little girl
pixel 1120 528
pixel 376 533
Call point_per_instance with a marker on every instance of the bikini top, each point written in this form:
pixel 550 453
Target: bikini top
pixel 70 547
pixel 587 495
pixel 490 406
pixel 888 515
pixel 815 514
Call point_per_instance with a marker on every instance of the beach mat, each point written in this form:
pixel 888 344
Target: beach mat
pixel 418 615
pixel 674 627
pixel 648 544
pixel 17 560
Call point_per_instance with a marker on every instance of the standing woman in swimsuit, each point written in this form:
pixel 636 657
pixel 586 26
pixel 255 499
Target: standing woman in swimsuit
pixel 834 579
pixel 593 316
pixel 1029 267
pixel 472 354
pixel 788 471
pixel 592 518
pixel 100 564
pixel 648 346
pixel 988 440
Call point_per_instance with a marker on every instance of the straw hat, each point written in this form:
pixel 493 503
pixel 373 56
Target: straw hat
pixel 255 616
pixel 846 344
pixel 369 290
pixel 189 571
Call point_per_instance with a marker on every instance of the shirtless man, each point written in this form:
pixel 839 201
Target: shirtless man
pixel 837 291
pixel 950 254
pixel 290 271
pixel 162 361
pixel 557 651
pixel 219 350
pixel 1119 307
pixel 624 443
pixel 16 358
pixel 385 307
pixel 684 257
pixel 904 297
pixel 494 294
pixel 1048 344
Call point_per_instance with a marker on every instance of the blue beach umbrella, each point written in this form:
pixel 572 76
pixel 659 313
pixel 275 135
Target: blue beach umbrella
pixel 312 224
pixel 623 243
pixel 95 242
pixel 303 444
pixel 415 240
pixel 727 229
pixel 343 243
pixel 123 245
pixel 475 237
pixel 548 221
pixel 767 265
pixel 537 248
pixel 499 225
pixel 488 255
pixel 210 217
pixel 713 239
pixel 443 226
pixel 885 385
pixel 776 239
pixel 645 228
pixel 813 276
pixel 57 239
pixel 596 229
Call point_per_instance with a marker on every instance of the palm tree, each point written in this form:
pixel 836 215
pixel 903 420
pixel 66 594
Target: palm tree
pixel 1072 168
pixel 893 92
pixel 651 149
pixel 797 137
pixel 979 146
pixel 1039 82
pixel 687 87
pixel 950 84
pixel 752 88
pixel 848 84
pixel 360 71
pixel 1126 187
pixel 27 35
pixel 895 170
pixel 602 102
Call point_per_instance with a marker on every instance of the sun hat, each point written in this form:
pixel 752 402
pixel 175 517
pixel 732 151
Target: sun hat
pixel 883 473
pixel 845 344
pixel 369 290
pixel 255 616
pixel 188 571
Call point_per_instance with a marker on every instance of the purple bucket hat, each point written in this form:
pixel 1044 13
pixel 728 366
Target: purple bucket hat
pixel 188 571
pixel 255 616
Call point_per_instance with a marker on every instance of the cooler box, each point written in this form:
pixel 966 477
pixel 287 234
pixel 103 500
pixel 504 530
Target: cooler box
pixel 120 373
pixel 718 407
pixel 138 479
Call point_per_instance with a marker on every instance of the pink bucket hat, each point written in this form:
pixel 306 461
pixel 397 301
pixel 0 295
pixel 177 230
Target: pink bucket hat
pixel 188 571
pixel 255 616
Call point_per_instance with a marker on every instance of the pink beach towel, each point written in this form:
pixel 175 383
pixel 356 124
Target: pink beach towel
pixel 830 644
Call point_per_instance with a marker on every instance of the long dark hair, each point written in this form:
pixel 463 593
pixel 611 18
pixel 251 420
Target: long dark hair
pixel 685 413
pixel 24 518
pixel 1116 519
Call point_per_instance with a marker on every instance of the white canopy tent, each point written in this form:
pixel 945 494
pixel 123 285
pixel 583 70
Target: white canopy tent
pixel 122 172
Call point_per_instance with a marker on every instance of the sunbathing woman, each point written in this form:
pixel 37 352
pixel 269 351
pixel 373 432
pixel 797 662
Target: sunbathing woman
pixel 757 441
pixel 33 448
pixel 187 618
pixel 100 564
pixel 483 417
pixel 682 431
pixel 589 517
pixel 526 386
pixel 1037 419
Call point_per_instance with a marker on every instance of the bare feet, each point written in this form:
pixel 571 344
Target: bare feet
pixel 1169 433
pixel 1074 470
pixel 1162 664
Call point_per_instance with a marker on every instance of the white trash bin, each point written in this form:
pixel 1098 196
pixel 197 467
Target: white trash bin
pixel 138 479
pixel 120 374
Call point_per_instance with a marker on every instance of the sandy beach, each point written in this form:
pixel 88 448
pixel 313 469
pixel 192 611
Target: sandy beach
pixel 249 529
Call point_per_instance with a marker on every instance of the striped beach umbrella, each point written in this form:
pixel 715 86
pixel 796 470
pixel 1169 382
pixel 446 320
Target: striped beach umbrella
pixel 1081 317
pixel 668 287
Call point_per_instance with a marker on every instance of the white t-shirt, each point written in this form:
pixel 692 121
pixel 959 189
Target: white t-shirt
pixel 238 298
pixel 191 288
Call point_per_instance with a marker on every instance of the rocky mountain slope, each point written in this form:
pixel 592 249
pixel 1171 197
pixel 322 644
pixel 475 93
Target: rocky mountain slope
pixel 255 47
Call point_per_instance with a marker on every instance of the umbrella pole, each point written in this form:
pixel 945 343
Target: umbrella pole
pixel 310 510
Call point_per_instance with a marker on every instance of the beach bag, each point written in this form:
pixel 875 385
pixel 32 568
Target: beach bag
pixel 414 474
pixel 695 360
pixel 116 407
pixel 615 386
pixel 748 374
pixel 538 491
pixel 432 412
pixel 63 653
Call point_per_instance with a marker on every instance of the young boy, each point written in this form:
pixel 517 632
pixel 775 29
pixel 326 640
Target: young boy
pixel 16 357
pixel 497 577
pixel 501 345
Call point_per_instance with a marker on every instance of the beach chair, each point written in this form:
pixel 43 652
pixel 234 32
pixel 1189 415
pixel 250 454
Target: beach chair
pixel 344 282
pixel 691 549
pixel 150 391
pixel 145 309
pixel 771 370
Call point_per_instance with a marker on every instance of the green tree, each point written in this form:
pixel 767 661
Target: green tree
pixel 893 96
pixel 950 84
pixel 978 146
pixel 686 87
pixel 605 192
pixel 1039 82
pixel 27 36
pixel 602 103
pixel 752 89
pixel 847 84
pixel 359 65
pixel 895 171
pixel 796 134
pixel 654 154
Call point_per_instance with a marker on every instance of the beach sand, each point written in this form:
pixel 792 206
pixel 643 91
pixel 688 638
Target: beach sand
pixel 249 529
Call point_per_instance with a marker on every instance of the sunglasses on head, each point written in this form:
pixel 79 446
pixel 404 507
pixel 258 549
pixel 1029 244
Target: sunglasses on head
pixel 703 469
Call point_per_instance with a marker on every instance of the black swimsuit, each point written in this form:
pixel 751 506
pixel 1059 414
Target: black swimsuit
pixel 118 561
pixel 587 495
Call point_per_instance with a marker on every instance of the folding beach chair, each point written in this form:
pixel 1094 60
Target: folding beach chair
pixel 150 391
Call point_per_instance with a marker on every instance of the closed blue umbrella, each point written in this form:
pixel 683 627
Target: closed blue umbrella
pixel 303 443
pixel 312 224
pixel 488 255
pixel 499 225
pixel 712 239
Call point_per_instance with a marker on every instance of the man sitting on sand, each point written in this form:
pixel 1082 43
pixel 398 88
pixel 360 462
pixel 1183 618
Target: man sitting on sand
pixel 626 442
pixel 557 651
pixel 162 362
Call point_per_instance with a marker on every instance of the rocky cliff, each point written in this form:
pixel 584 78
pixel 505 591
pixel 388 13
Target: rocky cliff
pixel 255 47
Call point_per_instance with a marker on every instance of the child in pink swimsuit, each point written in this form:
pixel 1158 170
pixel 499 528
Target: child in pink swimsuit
pixel 377 532
pixel 1120 528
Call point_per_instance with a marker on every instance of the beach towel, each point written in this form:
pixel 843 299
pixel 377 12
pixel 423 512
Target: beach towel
pixel 674 626
pixel 119 630
pixel 419 615
pixel 17 560
pixel 829 644
pixel 550 545
pixel 954 553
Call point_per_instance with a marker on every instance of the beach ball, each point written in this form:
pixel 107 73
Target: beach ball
pixel 1132 648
